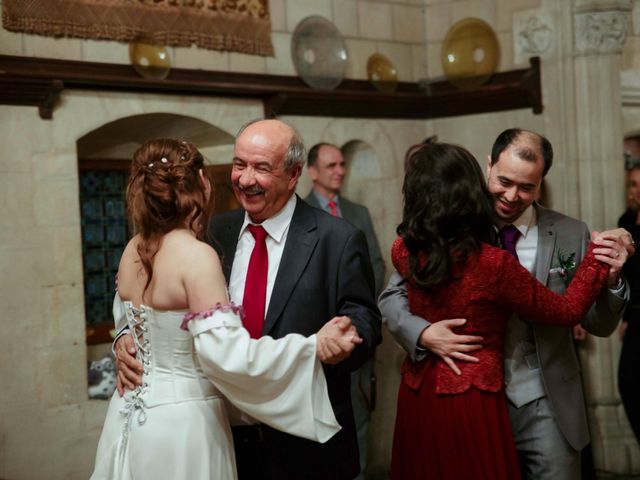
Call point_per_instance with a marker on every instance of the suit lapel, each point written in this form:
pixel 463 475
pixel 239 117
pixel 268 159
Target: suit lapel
pixel 301 241
pixel 348 212
pixel 226 237
pixel 546 244
pixel 312 200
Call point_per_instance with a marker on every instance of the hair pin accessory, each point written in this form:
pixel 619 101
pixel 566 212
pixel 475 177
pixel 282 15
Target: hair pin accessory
pixel 164 160
pixel 151 165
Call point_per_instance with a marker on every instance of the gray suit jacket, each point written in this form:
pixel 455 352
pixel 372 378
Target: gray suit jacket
pixel 358 216
pixel 555 346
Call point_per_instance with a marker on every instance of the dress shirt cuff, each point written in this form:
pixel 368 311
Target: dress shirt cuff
pixel 421 352
pixel 115 340
pixel 620 288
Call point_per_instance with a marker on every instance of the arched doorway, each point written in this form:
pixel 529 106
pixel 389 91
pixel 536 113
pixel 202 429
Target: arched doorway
pixel 104 159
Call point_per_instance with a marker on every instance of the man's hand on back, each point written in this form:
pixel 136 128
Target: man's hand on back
pixel 128 367
pixel 440 339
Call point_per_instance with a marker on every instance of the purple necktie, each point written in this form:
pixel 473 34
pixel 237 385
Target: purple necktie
pixel 508 237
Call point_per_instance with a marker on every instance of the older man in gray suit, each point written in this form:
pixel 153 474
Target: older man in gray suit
pixel 542 372
pixel 327 168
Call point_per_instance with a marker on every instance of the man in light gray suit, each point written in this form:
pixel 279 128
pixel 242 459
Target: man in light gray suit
pixel 327 168
pixel 542 372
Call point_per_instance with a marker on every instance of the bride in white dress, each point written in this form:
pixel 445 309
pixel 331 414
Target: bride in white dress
pixel 199 362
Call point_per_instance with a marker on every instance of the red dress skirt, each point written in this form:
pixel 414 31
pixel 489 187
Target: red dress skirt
pixel 450 436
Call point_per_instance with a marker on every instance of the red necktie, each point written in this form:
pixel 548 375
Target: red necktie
pixel 255 288
pixel 333 208
pixel 508 237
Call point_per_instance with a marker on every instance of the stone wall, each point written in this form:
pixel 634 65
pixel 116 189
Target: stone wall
pixel 395 29
pixel 48 427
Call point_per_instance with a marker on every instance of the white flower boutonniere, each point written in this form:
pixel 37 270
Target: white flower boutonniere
pixel 566 263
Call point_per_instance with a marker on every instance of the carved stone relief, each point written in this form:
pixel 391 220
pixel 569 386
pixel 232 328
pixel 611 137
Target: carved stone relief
pixel 601 32
pixel 533 35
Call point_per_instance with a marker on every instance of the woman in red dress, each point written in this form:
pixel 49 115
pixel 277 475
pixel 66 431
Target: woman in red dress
pixel 452 426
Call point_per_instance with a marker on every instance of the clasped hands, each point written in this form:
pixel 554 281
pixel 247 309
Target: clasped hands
pixel 336 340
pixel 612 247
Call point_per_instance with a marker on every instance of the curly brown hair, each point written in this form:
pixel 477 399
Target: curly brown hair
pixel 164 193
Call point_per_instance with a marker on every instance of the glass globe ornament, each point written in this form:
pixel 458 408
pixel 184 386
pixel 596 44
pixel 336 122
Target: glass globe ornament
pixel 470 53
pixel 319 53
pixel 150 60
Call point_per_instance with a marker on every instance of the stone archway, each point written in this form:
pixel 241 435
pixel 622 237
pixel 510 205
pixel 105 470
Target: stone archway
pixel 104 159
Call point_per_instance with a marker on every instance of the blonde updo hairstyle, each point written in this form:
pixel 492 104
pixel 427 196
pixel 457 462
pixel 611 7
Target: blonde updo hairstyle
pixel 165 192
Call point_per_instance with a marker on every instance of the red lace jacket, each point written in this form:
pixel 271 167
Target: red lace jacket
pixel 487 290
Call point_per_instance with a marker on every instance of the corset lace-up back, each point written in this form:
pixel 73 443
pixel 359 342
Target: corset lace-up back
pixel 176 424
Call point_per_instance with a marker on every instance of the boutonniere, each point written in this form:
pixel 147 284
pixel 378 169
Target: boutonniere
pixel 566 263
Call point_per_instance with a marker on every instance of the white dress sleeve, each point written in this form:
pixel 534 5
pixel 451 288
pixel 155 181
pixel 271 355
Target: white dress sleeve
pixel 278 382
pixel 119 314
pixel 119 320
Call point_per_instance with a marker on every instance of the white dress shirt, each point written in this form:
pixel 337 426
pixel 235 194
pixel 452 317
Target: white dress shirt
pixel 277 228
pixel 527 244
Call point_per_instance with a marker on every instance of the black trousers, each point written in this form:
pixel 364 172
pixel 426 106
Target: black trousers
pixel 259 456
pixel 629 378
pixel 251 453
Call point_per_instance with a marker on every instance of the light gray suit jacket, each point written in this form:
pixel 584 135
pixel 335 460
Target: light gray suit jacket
pixel 358 216
pixel 555 346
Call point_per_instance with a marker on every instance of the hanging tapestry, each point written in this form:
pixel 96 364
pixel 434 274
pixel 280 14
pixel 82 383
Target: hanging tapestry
pixel 233 25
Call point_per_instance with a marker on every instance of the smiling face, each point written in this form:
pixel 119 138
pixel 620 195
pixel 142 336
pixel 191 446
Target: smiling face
pixel 260 182
pixel 328 171
pixel 514 182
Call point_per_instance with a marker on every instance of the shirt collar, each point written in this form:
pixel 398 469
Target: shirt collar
pixel 277 225
pixel 524 222
pixel 324 201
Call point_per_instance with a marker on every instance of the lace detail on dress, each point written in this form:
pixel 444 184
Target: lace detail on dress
pixel 136 317
pixel 486 291
pixel 226 308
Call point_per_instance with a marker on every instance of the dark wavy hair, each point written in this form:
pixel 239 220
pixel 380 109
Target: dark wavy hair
pixel 164 193
pixel 447 213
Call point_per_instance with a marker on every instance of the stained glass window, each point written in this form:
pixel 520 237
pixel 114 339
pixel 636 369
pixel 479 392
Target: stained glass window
pixel 104 236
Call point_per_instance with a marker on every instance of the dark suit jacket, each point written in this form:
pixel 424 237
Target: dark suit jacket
pixel 358 216
pixel 324 272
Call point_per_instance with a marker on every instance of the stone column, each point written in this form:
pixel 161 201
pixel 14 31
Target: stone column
pixel 580 44
pixel 600 28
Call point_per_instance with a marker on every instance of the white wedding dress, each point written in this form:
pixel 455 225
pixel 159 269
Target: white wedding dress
pixel 176 425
